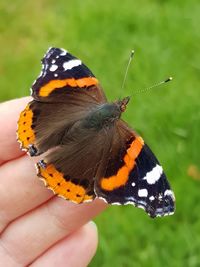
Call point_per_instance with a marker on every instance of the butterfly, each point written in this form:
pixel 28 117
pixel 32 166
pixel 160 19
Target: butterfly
pixel 90 152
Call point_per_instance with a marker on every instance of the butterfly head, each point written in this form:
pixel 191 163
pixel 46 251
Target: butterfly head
pixel 123 103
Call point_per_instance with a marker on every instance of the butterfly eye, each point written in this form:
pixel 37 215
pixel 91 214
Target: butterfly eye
pixel 123 103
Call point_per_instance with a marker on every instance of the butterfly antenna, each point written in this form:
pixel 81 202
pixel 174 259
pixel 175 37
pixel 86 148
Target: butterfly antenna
pixel 153 86
pixel 127 68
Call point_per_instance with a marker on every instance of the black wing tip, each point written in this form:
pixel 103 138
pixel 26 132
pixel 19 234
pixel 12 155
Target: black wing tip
pixel 54 51
pixel 161 212
pixel 164 206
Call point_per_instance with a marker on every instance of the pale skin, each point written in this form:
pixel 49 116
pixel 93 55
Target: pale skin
pixel 38 228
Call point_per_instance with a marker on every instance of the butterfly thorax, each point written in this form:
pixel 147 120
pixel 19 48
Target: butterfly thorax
pixel 105 115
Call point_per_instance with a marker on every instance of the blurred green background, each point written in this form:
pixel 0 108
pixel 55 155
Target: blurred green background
pixel 166 37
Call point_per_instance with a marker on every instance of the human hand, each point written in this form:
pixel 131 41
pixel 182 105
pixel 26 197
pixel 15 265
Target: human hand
pixel 38 228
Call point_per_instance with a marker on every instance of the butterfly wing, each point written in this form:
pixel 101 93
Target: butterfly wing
pixel 134 176
pixel 70 169
pixel 64 75
pixel 65 92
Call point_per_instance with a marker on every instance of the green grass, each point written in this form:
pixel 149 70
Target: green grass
pixel 166 38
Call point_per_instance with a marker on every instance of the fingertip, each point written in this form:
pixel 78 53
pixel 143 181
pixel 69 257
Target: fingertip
pixel 92 233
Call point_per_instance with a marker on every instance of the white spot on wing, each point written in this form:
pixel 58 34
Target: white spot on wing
pixel 55 75
pixel 141 207
pixel 41 73
pixel 151 198
pixel 116 203
pixel 169 192
pixel 53 61
pixel 71 64
pixel 154 175
pixel 142 192
pixel 53 67
pixel 133 184
pixel 129 203
pixel 64 52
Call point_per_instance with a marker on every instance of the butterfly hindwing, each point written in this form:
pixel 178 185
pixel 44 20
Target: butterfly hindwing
pixel 63 185
pixel 138 179
pixel 70 169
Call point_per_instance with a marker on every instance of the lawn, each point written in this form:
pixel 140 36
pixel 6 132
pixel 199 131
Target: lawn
pixel 166 38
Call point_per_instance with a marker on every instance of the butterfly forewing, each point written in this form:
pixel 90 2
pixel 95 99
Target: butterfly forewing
pixel 65 92
pixel 64 75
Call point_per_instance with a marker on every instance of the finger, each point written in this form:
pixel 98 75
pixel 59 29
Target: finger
pixel 76 250
pixel 10 110
pixel 20 189
pixel 45 226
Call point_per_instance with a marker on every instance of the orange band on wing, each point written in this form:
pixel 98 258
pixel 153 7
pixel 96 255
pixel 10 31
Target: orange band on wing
pixel 57 183
pixel 122 175
pixel 55 84
pixel 25 133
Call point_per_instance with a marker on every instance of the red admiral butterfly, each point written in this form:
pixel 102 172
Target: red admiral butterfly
pixel 91 151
